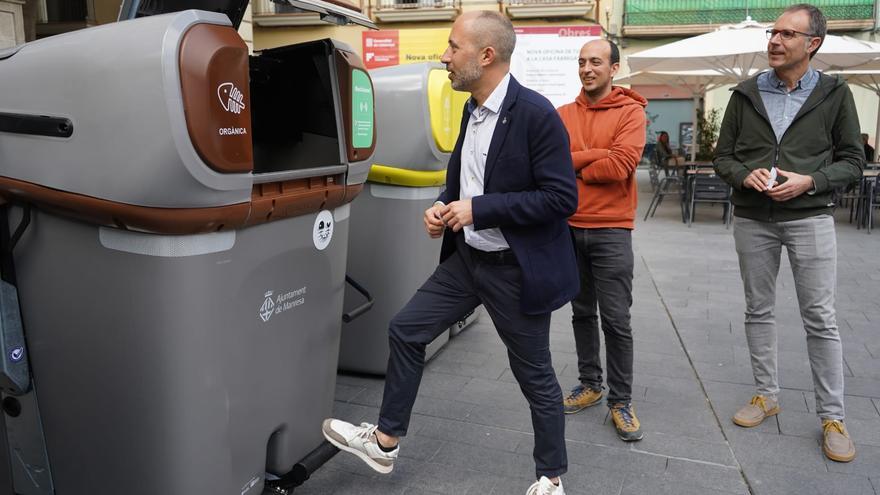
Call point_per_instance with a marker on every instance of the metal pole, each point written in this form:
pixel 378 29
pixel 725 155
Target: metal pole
pixel 877 129
pixel 696 128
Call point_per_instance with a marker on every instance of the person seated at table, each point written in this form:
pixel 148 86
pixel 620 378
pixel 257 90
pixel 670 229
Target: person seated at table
pixel 665 155
pixel 869 150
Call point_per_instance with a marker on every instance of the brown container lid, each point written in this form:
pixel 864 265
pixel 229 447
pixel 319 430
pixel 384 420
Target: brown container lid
pixel 216 97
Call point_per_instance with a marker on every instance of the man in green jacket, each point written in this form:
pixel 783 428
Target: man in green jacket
pixel 789 137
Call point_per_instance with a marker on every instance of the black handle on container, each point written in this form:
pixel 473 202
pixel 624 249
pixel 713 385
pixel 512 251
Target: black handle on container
pixel 36 125
pixel 302 470
pixel 363 308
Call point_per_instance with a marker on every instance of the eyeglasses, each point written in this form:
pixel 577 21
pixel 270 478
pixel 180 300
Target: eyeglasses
pixel 787 34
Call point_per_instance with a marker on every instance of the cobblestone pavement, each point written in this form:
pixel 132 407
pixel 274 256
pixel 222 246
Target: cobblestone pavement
pixel 471 431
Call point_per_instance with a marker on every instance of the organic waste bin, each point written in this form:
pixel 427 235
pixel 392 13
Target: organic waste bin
pixel 179 214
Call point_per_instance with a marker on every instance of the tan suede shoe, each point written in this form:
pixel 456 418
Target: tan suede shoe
pixel 836 444
pixel 759 409
pixel 580 398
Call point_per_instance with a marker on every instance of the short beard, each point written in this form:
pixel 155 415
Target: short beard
pixel 467 76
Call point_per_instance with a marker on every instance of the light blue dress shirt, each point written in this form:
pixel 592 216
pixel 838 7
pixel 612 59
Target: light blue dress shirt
pixel 474 149
pixel 781 104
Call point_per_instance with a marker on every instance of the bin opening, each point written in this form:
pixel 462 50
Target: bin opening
pixel 293 108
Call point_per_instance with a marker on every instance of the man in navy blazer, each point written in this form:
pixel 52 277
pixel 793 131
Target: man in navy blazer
pixel 510 188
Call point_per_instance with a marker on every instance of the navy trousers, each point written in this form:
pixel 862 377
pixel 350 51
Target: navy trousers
pixel 458 285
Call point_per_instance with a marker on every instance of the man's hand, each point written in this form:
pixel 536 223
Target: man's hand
pixel 757 180
pixel 458 215
pixel 433 220
pixel 796 185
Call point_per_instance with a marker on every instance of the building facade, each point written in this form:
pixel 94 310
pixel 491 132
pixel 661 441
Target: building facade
pixel 635 24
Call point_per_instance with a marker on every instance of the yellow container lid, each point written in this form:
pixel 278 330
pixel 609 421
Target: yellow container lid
pixel 384 174
pixel 444 107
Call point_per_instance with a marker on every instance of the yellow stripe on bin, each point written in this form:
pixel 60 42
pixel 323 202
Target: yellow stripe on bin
pixel 384 174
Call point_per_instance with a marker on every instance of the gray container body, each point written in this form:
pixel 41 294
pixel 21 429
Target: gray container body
pixel 160 366
pixel 391 254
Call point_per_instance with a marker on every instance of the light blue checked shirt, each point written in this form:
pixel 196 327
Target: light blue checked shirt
pixel 781 104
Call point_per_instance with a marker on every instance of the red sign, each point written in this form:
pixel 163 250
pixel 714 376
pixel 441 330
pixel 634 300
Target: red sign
pixel 381 48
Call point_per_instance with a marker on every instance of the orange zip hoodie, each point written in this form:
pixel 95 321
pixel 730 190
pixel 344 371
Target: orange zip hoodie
pixel 607 139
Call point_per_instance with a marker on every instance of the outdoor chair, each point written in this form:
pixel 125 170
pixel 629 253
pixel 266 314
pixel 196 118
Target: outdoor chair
pixel 654 175
pixel 709 188
pixel 873 201
pixel 669 184
pixel 854 197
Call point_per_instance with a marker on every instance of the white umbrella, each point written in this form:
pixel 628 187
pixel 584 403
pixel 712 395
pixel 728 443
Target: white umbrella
pixel 740 50
pixel 868 79
pixel 698 82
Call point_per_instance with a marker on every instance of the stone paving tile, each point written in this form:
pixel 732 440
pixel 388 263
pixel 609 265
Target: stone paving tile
pixel 864 432
pixel 617 457
pixel 866 463
pixel 432 477
pixel 638 484
pixel 769 479
pixel 595 433
pixel 329 481
pixel 420 447
pixel 579 480
pixel 706 475
pixel 863 387
pixel 801 424
pixel 687 448
pixel 804 454
pixel 464 432
pixel 345 393
pixel 495 462
pixel 471 430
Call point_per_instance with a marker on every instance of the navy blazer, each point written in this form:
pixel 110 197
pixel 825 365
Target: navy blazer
pixel 529 192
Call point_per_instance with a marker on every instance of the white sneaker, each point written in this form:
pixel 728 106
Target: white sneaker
pixel 545 487
pixel 361 441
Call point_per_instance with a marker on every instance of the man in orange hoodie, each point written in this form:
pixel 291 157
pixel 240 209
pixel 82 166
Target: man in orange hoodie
pixel 606 127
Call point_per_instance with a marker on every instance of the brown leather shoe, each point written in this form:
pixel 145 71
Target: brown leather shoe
pixel 836 444
pixel 759 409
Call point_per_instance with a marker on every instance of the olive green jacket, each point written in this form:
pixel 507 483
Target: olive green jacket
pixel 823 141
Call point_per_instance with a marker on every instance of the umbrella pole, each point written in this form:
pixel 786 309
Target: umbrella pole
pixel 877 129
pixel 696 128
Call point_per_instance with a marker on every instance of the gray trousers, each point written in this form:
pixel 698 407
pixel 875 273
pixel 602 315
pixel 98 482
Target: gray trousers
pixel 812 253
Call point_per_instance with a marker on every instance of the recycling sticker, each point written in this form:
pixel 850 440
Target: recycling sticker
pixel 361 109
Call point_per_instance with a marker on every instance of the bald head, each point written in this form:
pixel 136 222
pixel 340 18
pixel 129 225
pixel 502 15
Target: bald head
pixel 608 48
pixel 598 63
pixel 491 29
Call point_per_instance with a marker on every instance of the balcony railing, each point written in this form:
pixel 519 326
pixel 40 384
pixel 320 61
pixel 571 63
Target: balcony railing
pixel 520 9
pixel 269 13
pixel 413 4
pixel 415 10
pixel 638 14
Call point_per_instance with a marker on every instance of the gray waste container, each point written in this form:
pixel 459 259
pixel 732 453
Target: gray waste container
pixel 181 277
pixel 389 249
